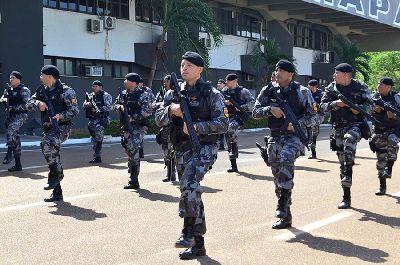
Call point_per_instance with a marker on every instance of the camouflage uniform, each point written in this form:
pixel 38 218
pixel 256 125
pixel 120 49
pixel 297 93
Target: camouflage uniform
pixel 15 100
pixel 65 104
pixel 245 99
pixel 349 128
pixel 204 101
pixel 385 139
pixel 139 109
pixel 314 121
pixel 98 121
pixel 283 147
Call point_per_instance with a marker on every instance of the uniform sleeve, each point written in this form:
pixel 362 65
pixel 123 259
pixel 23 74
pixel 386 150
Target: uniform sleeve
pixel 72 105
pixel 108 105
pixel 26 95
pixel 368 103
pixel 145 101
pixel 161 116
pixel 261 107
pixel 33 103
pixel 327 101
pixel 248 98
pixel 309 100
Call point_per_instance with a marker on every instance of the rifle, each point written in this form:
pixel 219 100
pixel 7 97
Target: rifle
pixel 124 118
pixel 169 161
pixel 5 101
pixel 290 118
pixel 90 99
pixel 352 105
pixel 194 139
pixel 243 116
pixel 385 105
pixel 50 110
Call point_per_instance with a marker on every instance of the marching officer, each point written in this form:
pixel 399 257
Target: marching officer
pixel 97 105
pixel 316 117
pixel 221 138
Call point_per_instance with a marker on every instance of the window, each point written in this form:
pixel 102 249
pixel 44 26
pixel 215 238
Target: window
pixel 65 66
pixel 121 70
pixel 309 38
pixel 144 13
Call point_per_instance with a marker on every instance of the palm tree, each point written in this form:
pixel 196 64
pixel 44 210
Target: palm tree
pixel 351 53
pixel 177 17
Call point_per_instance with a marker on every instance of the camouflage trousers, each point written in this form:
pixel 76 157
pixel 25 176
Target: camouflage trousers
pixel 96 129
pixel 194 167
pixel 231 136
pixel 387 148
pixel 346 145
pixel 13 124
pixel 313 130
pixel 167 150
pixel 51 144
pixel 131 144
pixel 282 153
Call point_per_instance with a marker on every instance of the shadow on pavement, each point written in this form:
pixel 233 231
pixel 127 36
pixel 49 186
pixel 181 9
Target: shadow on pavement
pixel 23 174
pixel 206 260
pixel 246 152
pixel 153 196
pixel 110 166
pixel 255 177
pixel 394 197
pixel 313 169
pixel 154 161
pixel 393 222
pixel 210 190
pixel 327 161
pixel 365 157
pixel 340 247
pixel 79 213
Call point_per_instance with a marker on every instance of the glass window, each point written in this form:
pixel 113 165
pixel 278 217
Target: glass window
pixel 69 70
pixel 60 65
pixel 63 4
pixel 83 6
pixel 47 61
pixel 53 3
pixel 73 4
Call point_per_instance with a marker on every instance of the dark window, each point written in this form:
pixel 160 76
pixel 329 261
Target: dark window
pixel 144 13
pixel 120 70
pixel 309 38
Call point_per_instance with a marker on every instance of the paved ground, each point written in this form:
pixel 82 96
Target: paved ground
pixel 100 223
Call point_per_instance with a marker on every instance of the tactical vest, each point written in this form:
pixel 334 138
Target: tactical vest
pixel 132 99
pixel 99 100
pixel 291 95
pixel 15 99
pixel 236 97
pixel 382 116
pixel 57 101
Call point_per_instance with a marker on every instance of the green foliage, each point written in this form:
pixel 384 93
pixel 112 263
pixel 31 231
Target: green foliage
pixel 384 64
pixel 351 53
pixel 114 128
pixel 253 123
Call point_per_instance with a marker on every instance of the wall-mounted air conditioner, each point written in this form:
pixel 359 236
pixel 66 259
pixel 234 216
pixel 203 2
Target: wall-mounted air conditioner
pixel 94 25
pixel 207 42
pixel 110 22
pixel 93 70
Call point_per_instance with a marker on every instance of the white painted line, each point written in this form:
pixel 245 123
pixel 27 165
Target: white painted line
pixel 313 226
pixel 397 194
pixel 32 167
pixel 35 204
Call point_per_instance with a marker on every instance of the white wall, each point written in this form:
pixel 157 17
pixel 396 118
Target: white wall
pixel 66 35
pixel 304 59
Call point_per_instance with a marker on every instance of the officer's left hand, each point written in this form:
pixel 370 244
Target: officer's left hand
pixel 355 112
pixel 290 127
pixel 390 115
pixel 185 129
pixel 227 102
pixel 175 109
pixel 56 117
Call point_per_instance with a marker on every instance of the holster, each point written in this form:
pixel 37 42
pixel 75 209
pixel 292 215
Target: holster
pixel 332 142
pixel 365 130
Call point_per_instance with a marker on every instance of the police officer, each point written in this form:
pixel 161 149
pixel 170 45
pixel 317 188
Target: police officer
pixel 56 128
pixel 385 138
pixel 206 109
pixel 245 99
pixel 284 146
pixel 97 108
pixel 138 102
pixel 163 136
pixel 221 138
pixel 14 98
pixel 316 117
pixel 350 126
pixel 152 98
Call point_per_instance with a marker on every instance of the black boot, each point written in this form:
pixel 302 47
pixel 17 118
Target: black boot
pixel 17 166
pixel 346 202
pixel 388 169
pixel 8 158
pixel 186 239
pixel 141 153
pixel 197 250
pixel 347 178
pixel 382 187
pixel 56 195
pixel 313 154
pixel 233 167
pixel 95 160
pixel 283 204
pixel 170 174
pixel 54 177
pixel 133 182
pixel 97 151
pixel 284 222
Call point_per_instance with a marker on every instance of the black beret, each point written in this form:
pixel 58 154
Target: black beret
pixel 141 80
pixel 167 77
pixel 194 58
pixel 231 77
pixel 97 83
pixel 286 66
pixel 344 68
pixel 51 70
pixel 313 82
pixel 16 74
pixel 133 77
pixel 222 81
pixel 386 81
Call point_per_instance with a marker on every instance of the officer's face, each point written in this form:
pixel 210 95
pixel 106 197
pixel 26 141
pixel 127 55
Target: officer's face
pixel 231 83
pixel 220 85
pixel 312 88
pixel 283 77
pixel 129 84
pixel 167 84
pixel 189 71
pixel 384 89
pixel 96 88
pixel 14 82
pixel 341 78
pixel 47 80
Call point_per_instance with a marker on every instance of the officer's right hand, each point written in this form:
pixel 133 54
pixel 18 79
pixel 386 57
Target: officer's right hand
pixel 175 109
pixel 377 108
pixel 227 102
pixel 340 104
pixel 88 104
pixel 277 112
pixel 42 106
pixel 120 107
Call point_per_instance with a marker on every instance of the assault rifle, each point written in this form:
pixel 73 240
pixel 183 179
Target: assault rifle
pixel 124 118
pixel 290 118
pixel 90 99
pixel 50 110
pixel 194 139
pixel 243 116
pixel 386 105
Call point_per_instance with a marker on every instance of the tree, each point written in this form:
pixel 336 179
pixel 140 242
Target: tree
pixel 178 16
pixel 351 53
pixel 384 64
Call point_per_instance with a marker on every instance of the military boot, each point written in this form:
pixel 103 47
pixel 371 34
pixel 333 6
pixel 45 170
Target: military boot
pixel 197 250
pixel 133 182
pixel 186 239
pixel 8 158
pixel 388 169
pixel 17 166
pixel 233 167
pixel 54 177
pixel 347 177
pixel 313 154
pixel 283 204
pixel 95 160
pixel 382 186
pixel 284 222
pixel 56 195
pixel 346 202
pixel 141 152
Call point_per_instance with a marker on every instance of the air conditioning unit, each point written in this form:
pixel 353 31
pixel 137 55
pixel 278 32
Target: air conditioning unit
pixel 323 57
pixel 109 22
pixel 94 25
pixel 207 42
pixel 248 78
pixel 93 70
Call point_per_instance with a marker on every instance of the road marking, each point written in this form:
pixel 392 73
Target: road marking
pixel 397 194
pixel 31 167
pixel 313 226
pixel 35 204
